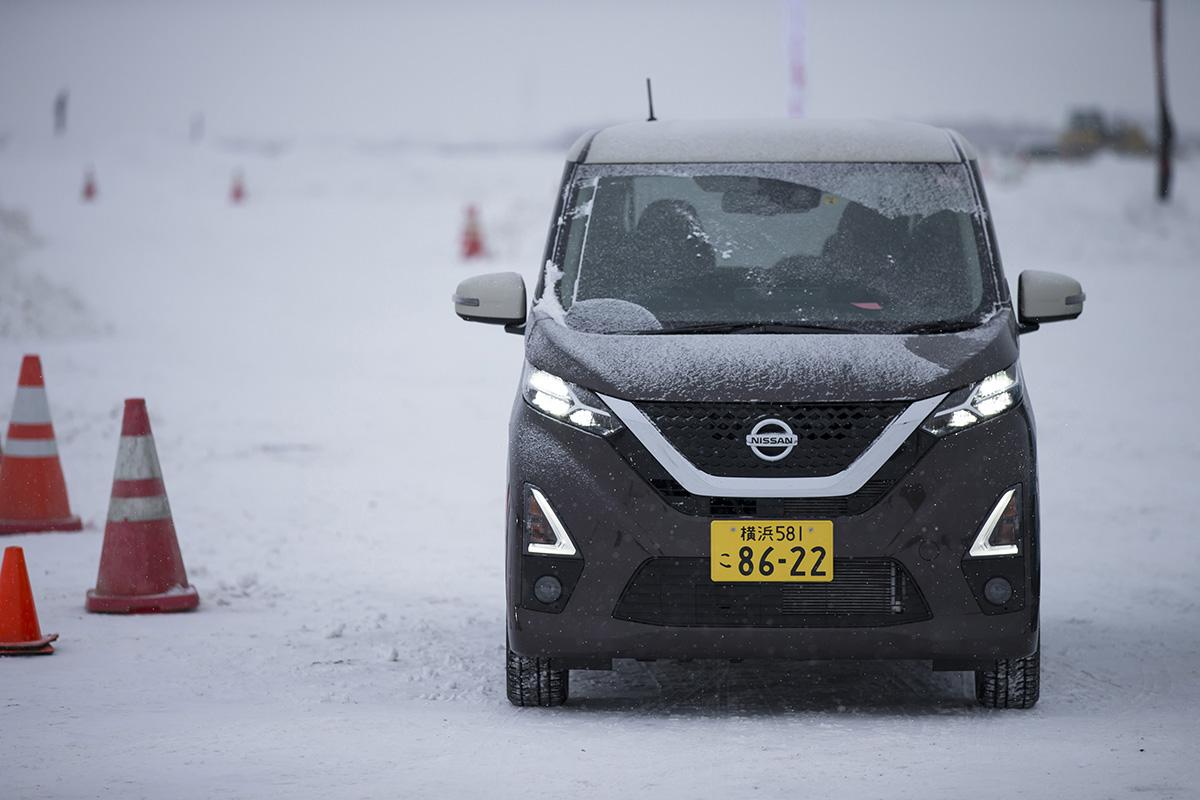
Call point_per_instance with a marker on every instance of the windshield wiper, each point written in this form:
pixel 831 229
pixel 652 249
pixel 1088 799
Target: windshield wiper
pixel 945 326
pixel 754 327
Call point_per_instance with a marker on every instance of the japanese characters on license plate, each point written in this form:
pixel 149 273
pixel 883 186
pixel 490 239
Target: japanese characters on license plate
pixel 772 550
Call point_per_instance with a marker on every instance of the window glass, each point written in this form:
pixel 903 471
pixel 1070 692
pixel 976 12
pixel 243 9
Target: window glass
pixel 870 247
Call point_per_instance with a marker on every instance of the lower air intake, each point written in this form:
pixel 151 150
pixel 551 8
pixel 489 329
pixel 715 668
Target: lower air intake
pixel 864 592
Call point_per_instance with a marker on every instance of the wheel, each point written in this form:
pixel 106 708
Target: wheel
pixel 532 682
pixel 1011 683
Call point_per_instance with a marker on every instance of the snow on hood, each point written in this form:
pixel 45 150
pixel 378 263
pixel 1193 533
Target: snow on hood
pixel 772 367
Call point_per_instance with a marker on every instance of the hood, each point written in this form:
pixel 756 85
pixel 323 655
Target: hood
pixel 800 367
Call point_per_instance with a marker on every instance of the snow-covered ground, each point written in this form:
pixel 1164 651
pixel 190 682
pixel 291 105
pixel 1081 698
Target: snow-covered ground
pixel 333 444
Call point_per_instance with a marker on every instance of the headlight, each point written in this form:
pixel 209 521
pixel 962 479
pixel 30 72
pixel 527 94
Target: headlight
pixel 993 395
pixel 567 402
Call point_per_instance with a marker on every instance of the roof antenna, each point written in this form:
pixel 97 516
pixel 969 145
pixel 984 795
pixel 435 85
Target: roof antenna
pixel 650 101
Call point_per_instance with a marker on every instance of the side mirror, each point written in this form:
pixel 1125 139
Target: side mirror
pixel 1047 297
pixel 497 298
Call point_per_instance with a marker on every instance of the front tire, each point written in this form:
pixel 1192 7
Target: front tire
pixel 532 682
pixel 1011 683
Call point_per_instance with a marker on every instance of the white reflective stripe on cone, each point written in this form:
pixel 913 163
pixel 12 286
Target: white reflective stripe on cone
pixel 30 448
pixel 31 406
pixel 138 509
pixel 137 459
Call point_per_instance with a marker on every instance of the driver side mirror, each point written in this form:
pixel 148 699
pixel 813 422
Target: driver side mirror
pixel 1047 297
pixel 497 298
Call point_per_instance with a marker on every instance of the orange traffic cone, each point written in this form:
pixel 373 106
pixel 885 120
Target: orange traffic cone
pixel 472 238
pixel 141 568
pixel 89 186
pixel 33 495
pixel 237 190
pixel 20 634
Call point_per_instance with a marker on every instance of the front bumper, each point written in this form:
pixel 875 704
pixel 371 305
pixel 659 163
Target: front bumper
pixel 925 522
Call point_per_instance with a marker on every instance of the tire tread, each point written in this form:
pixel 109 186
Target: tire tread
pixel 1012 683
pixel 531 681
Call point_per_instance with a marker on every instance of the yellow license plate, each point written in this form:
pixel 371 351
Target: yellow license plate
pixel 787 550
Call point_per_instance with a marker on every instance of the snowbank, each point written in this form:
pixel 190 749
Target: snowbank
pixel 31 305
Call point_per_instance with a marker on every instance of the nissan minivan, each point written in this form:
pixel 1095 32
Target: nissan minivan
pixel 772 407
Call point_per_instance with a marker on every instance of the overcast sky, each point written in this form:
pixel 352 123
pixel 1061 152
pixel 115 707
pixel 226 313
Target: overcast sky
pixel 531 68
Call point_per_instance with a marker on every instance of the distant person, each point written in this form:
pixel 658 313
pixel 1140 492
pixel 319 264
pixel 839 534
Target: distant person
pixel 196 128
pixel 60 113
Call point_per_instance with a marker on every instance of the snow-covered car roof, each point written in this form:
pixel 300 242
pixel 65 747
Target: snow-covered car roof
pixel 771 140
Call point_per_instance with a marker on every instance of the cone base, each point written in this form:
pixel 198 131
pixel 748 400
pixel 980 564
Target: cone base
pixel 38 647
pixel 40 525
pixel 167 602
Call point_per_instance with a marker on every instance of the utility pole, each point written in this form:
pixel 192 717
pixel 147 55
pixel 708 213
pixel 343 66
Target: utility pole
pixel 1166 132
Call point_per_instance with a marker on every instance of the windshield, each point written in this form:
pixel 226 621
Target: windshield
pixel 770 247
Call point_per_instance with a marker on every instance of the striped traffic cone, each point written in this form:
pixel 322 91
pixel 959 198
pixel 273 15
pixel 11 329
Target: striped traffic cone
pixel 472 238
pixel 20 633
pixel 237 189
pixel 33 495
pixel 141 568
pixel 89 186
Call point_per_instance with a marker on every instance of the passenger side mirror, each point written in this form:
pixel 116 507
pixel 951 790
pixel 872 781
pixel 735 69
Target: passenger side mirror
pixel 1047 297
pixel 497 298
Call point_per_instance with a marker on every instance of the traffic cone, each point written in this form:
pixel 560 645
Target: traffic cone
pixel 89 186
pixel 472 238
pixel 141 568
pixel 237 190
pixel 20 634
pixel 33 495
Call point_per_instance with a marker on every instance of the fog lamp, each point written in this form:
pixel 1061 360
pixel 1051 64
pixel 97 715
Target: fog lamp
pixel 997 591
pixel 547 589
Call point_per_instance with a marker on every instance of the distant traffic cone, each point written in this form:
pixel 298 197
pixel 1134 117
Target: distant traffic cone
pixel 472 238
pixel 33 495
pixel 20 634
pixel 237 190
pixel 141 568
pixel 89 186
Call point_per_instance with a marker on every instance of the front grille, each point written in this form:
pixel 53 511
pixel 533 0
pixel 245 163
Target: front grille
pixel 713 435
pixel 864 592
pixel 896 467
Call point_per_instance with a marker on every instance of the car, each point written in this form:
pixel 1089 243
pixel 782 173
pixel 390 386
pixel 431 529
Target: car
pixel 772 407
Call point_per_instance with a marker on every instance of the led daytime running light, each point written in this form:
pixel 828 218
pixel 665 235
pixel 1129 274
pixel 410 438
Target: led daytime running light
pixel 1006 507
pixel 538 514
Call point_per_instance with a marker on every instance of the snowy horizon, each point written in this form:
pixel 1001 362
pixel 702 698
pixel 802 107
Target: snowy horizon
pixel 532 70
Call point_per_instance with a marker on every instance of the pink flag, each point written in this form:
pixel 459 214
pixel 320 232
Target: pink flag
pixel 797 58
